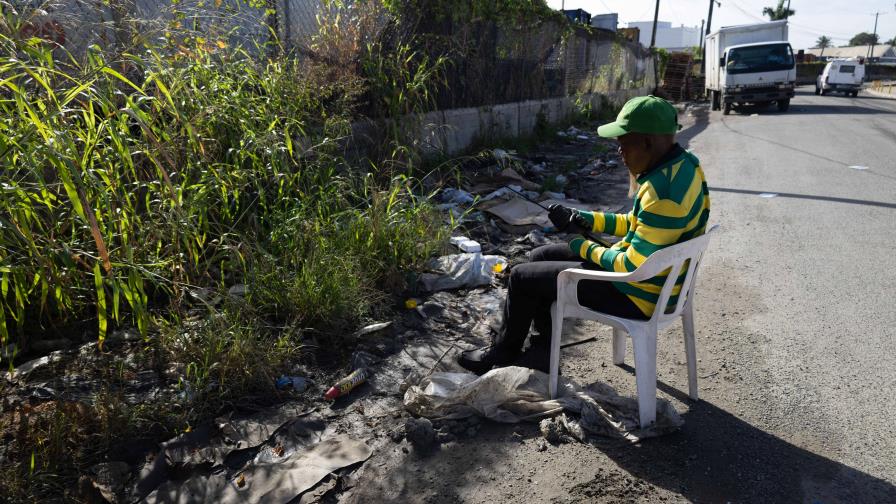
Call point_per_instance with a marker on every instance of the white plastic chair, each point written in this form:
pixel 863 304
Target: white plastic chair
pixel 643 332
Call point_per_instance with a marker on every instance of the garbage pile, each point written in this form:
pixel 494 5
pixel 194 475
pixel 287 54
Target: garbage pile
pixel 402 392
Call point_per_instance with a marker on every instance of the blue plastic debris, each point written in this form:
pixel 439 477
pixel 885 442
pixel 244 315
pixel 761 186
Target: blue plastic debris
pixel 297 383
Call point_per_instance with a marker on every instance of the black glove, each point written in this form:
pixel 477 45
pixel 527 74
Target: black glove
pixel 578 224
pixel 560 216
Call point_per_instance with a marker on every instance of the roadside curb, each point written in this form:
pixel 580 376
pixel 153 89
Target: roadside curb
pixel 879 94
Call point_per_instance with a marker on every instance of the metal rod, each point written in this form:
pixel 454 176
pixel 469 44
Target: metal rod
pixel 526 197
pixel 586 234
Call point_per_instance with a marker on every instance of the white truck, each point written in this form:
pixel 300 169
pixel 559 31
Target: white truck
pixel 750 64
pixel 842 75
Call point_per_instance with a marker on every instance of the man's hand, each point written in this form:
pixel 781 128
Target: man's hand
pixel 578 224
pixel 561 216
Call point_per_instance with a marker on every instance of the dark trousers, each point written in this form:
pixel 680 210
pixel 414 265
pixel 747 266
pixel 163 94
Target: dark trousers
pixel 533 288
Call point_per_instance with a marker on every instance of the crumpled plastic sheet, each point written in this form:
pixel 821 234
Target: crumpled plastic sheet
pixel 459 196
pixel 266 481
pixel 460 270
pixel 515 394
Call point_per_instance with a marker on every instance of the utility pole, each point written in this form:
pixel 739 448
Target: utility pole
pixel 702 22
pixel 656 15
pixel 787 12
pixel 874 40
pixel 708 25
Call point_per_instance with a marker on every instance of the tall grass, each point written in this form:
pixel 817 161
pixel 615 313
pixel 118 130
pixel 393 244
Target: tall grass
pixel 136 183
pixel 128 183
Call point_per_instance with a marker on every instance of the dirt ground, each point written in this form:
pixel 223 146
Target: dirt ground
pixel 716 456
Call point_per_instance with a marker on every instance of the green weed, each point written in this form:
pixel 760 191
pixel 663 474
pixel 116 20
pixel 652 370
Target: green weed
pixel 132 182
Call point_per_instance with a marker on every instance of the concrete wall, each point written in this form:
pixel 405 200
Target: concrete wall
pixel 454 131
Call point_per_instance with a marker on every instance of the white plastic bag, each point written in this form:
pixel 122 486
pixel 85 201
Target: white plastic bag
pixel 513 394
pixel 461 270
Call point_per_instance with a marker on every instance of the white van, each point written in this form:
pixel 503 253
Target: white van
pixel 843 75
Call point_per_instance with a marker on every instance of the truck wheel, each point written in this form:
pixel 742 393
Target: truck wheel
pixel 817 91
pixel 855 93
pixel 783 105
pixel 726 108
pixel 822 92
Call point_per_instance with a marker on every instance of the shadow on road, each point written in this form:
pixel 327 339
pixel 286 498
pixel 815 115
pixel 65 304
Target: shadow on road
pixel 808 196
pixel 717 457
pixel 701 121
pixel 835 108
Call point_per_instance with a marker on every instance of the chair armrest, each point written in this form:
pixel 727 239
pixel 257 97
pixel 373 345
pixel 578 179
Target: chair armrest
pixel 576 274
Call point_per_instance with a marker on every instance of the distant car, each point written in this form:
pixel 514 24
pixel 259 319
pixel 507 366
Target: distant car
pixel 843 76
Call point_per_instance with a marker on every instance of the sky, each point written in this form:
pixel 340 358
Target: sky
pixel 837 19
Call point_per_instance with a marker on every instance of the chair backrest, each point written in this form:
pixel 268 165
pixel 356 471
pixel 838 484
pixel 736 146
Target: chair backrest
pixel 674 258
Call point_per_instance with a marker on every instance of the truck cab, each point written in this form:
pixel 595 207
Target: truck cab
pixel 842 75
pixel 760 72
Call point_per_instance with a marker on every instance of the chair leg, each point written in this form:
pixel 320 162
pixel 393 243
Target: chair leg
pixel 644 347
pixel 690 348
pixel 618 346
pixel 556 334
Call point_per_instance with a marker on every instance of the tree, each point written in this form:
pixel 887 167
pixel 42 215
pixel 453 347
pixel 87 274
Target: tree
pixel 892 41
pixel 823 42
pixel 779 12
pixel 864 38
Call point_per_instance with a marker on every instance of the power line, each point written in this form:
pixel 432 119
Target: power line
pixel 748 14
pixel 794 26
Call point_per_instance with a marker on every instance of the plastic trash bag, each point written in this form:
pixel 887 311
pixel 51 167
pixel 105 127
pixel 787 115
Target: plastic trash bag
pixel 459 196
pixel 461 270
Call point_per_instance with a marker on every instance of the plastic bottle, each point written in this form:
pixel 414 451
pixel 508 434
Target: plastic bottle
pixel 345 385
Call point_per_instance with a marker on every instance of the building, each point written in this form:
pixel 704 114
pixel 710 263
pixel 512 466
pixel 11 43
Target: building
pixel 668 37
pixel 882 53
pixel 578 16
pixel 605 21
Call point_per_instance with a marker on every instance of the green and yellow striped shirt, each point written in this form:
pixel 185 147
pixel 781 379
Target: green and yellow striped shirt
pixel 672 206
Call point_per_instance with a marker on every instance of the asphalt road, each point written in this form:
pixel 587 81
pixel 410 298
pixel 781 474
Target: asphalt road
pixel 797 295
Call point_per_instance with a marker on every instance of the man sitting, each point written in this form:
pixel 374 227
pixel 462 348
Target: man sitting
pixel 671 206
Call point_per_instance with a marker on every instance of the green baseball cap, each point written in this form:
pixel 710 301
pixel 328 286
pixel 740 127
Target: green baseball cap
pixel 644 114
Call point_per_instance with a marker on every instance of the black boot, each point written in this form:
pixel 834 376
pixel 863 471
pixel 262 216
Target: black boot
pixel 537 356
pixel 482 360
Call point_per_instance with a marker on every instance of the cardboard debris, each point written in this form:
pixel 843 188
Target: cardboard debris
pixel 496 183
pixel 511 175
pixel 519 212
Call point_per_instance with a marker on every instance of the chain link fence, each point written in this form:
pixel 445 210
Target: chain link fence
pixel 490 62
pixel 122 25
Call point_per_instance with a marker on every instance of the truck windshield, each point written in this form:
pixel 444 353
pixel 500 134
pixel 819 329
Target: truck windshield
pixel 763 58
